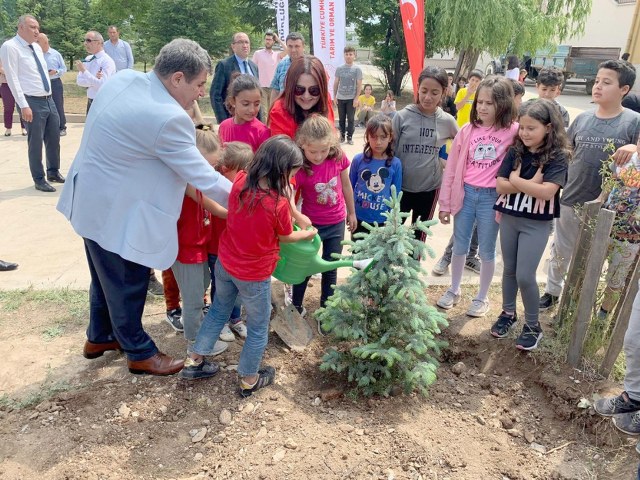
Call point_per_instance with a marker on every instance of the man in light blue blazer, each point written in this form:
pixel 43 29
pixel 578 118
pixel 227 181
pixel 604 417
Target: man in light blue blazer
pixel 124 194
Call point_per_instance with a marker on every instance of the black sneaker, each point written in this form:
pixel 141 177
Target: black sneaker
pixel 193 370
pixel 266 376
pixel 473 264
pixel 350 141
pixel 628 423
pixel 155 287
pixel 547 301
pixel 529 338
pixel 342 139
pixel 616 405
pixel 174 318
pixel 501 328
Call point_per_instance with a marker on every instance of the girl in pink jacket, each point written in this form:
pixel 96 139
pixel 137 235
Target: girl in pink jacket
pixel 468 189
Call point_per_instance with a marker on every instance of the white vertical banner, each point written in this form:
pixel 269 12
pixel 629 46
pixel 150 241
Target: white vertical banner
pixel 282 17
pixel 329 34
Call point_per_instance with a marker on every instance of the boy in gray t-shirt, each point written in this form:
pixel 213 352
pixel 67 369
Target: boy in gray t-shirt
pixel 346 89
pixel 589 134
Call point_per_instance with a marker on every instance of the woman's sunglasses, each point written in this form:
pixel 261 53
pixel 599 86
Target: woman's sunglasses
pixel 299 90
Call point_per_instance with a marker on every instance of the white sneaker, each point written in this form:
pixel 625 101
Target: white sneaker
pixel 478 308
pixel 441 267
pixel 448 300
pixel 239 327
pixel 226 335
pixel 219 347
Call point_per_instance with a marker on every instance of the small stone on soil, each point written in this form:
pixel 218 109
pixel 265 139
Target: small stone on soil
pixel 459 368
pixel 279 455
pixel 538 448
pixel 199 436
pixel 198 456
pixel 290 444
pixel 225 417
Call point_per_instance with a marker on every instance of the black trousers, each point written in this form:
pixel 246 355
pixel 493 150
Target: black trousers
pixel 346 112
pixel 45 127
pixel 57 91
pixel 421 204
pixel 117 296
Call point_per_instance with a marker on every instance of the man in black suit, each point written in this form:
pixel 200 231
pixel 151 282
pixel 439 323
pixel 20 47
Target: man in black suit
pixel 238 62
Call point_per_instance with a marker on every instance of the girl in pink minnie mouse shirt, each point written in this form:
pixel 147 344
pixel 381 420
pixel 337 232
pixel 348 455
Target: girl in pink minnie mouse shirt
pixel 327 195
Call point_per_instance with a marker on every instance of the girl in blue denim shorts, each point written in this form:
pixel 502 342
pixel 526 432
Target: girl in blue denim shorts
pixel 468 190
pixel 259 219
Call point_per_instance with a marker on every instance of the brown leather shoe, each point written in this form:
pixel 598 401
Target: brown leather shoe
pixel 159 364
pixel 95 350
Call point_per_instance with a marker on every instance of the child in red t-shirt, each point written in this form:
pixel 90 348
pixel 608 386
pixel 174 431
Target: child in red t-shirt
pixel 194 231
pixel 235 157
pixel 259 219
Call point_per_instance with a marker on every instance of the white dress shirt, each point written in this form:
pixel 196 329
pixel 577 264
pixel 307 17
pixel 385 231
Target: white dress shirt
pixel 21 70
pixel 93 64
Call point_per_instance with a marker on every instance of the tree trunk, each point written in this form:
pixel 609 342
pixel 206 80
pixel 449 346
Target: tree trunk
pixel 469 61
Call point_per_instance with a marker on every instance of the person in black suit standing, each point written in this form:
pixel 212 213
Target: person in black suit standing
pixel 238 62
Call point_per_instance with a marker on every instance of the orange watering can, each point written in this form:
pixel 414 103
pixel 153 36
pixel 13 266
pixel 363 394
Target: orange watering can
pixel 299 260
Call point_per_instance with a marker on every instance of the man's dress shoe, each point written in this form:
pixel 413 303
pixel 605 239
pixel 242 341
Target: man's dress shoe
pixel 94 350
pixel 159 364
pixel 44 186
pixel 6 266
pixel 55 178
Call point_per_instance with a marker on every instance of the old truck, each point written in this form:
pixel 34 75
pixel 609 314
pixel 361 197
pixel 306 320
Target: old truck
pixel 580 63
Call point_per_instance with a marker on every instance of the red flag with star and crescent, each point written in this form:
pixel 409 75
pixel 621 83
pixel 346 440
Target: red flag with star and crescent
pixel 413 22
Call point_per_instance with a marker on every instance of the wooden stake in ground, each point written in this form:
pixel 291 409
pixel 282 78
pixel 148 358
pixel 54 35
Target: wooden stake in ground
pixel 597 255
pixel 623 312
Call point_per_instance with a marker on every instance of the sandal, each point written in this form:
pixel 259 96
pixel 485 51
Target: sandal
pixel 7 132
pixel 266 376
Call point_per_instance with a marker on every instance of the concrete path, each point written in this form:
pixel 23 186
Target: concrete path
pixel 51 255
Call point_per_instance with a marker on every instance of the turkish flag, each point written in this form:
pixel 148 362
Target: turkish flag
pixel 413 22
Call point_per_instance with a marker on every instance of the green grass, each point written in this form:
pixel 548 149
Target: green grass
pixel 71 306
pixel 46 391
pixel 52 332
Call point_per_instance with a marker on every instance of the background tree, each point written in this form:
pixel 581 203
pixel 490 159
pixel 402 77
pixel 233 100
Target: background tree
pixel 504 26
pixel 261 15
pixel 379 25
pixel 64 21
pixel 386 327
pixel 209 24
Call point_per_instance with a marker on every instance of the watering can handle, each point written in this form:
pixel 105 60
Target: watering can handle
pixel 316 239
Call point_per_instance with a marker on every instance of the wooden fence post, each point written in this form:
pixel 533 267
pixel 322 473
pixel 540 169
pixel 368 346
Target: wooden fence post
pixel 592 272
pixel 621 320
pixel 578 260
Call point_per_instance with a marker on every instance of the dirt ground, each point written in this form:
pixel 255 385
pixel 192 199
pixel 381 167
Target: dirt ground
pixel 500 414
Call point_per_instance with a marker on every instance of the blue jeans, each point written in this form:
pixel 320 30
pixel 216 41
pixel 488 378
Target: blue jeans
pixel 256 298
pixel 331 236
pixel 477 209
pixel 235 313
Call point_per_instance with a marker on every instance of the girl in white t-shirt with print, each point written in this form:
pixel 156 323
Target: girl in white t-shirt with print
pixel 468 191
